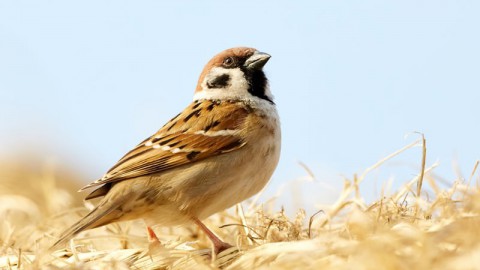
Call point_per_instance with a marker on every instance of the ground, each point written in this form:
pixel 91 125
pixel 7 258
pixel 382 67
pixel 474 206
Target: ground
pixel 420 226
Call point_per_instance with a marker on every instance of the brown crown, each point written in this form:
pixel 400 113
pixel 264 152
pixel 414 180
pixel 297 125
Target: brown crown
pixel 217 60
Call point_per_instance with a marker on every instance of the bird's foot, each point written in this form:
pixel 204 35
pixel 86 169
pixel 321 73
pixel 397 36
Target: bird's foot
pixel 218 245
pixel 221 246
pixel 153 241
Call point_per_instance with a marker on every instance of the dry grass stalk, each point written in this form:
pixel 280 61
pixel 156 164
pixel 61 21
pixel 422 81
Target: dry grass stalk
pixel 412 228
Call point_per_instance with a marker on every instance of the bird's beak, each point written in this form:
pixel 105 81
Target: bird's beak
pixel 257 60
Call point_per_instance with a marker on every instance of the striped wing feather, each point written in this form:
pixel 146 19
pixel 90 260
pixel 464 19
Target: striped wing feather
pixel 204 129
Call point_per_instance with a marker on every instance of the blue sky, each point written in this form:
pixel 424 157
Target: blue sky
pixel 83 82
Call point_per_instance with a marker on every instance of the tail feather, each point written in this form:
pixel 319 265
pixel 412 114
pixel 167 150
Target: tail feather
pixel 97 217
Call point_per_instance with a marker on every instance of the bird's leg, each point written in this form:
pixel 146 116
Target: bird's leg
pixel 153 241
pixel 218 244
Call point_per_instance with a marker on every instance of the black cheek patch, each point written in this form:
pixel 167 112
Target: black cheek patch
pixel 219 82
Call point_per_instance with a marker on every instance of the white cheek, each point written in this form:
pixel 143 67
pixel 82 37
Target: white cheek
pixel 237 86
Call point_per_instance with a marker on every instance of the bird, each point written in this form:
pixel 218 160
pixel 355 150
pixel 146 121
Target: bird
pixel 220 150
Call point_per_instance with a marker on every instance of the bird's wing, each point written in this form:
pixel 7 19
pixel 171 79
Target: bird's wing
pixel 204 129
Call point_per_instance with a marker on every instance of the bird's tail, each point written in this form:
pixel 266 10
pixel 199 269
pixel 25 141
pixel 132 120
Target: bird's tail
pixel 97 217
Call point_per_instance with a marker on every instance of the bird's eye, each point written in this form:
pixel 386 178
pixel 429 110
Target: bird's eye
pixel 228 62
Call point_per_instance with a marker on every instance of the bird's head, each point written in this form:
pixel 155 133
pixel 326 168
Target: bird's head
pixel 235 74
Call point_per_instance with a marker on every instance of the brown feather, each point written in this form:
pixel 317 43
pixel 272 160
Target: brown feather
pixel 99 216
pixel 191 133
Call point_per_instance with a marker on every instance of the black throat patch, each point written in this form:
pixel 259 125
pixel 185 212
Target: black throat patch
pixel 258 83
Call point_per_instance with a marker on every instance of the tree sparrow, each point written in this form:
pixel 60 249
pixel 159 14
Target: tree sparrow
pixel 219 151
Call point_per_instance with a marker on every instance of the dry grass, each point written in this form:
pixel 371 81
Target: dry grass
pixel 410 229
